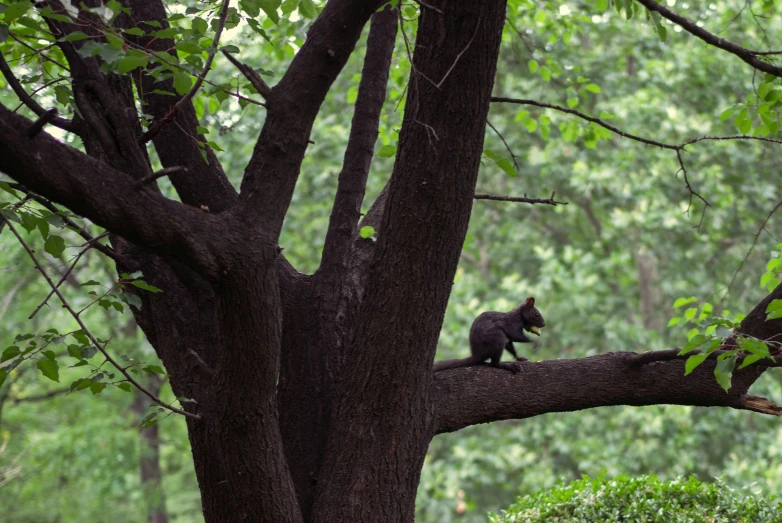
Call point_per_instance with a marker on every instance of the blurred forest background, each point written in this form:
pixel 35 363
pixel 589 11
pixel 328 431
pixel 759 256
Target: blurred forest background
pixel 605 269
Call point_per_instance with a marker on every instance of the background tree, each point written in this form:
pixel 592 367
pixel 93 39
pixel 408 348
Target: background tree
pixel 343 355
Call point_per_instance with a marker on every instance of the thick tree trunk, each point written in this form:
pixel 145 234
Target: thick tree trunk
pixel 383 422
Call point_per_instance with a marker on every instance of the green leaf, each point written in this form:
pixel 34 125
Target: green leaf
pixel 189 46
pixel 593 88
pixel 533 65
pixel 16 10
pixel 9 353
pixel 129 63
pixel 270 8
pixel 775 305
pixel 387 151
pixel 54 245
pixel 182 83
pixel 199 25
pixel 131 299
pixel 693 362
pixel 724 370
pixel 126 387
pixel 50 369
pixel 662 33
pixel 3 375
pixel 683 301
pixel 97 387
pixel 88 351
pixel 367 232
pixel 74 36
pixel 307 9
pixel 230 49
pixel 749 360
pixel 136 31
pixel 154 369
pixel 147 287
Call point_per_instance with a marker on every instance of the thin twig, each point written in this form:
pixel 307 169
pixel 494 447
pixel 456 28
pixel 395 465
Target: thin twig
pixel 28 100
pixel 59 283
pixel 427 6
pixel 155 128
pixel 524 199
pixel 159 174
pixel 458 56
pixel 752 246
pixel 89 334
pixel 507 147
pixel 49 206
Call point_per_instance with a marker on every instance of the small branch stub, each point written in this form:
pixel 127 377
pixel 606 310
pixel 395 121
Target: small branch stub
pixel 251 75
pixel 159 174
pixel 39 124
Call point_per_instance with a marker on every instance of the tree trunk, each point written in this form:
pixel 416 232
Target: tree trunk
pixel 383 422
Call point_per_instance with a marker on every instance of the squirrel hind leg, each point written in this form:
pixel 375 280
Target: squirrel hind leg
pixel 513 367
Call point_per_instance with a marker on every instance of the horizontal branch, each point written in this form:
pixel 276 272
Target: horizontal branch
pixel 107 197
pixel 475 395
pixel 520 199
pixel 746 55
pixel 472 395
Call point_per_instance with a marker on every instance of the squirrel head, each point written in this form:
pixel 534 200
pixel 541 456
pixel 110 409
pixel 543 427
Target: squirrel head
pixel 533 319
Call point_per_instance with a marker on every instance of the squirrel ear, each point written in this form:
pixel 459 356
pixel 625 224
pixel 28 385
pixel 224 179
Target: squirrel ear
pixel 530 302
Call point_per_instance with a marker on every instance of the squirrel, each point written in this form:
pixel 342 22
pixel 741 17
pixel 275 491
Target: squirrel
pixel 491 332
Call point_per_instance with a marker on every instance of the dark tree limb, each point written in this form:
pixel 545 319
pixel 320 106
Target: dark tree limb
pixel 346 209
pixel 746 55
pixel 319 323
pixel 177 144
pixel 480 394
pixel 106 196
pixel 29 101
pixel 270 176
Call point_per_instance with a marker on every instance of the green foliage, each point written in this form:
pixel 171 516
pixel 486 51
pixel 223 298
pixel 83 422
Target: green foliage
pixel 645 498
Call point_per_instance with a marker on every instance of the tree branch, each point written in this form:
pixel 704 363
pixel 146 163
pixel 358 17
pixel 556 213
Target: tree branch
pixel 106 196
pixel 28 100
pixel 483 394
pixel 178 144
pixel 155 128
pixel 474 395
pixel 749 57
pixel 270 176
pixel 346 210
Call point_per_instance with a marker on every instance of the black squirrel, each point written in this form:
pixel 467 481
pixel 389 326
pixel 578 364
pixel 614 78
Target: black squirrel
pixel 491 332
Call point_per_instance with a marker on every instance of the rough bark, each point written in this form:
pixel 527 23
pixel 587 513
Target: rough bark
pixel 346 353
pixel 383 421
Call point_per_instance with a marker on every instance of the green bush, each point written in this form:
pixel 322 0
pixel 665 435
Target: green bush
pixel 641 499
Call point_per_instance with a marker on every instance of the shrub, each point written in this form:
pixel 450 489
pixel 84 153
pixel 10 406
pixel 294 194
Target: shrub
pixel 641 499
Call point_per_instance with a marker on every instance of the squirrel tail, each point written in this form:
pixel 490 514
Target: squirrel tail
pixel 454 364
